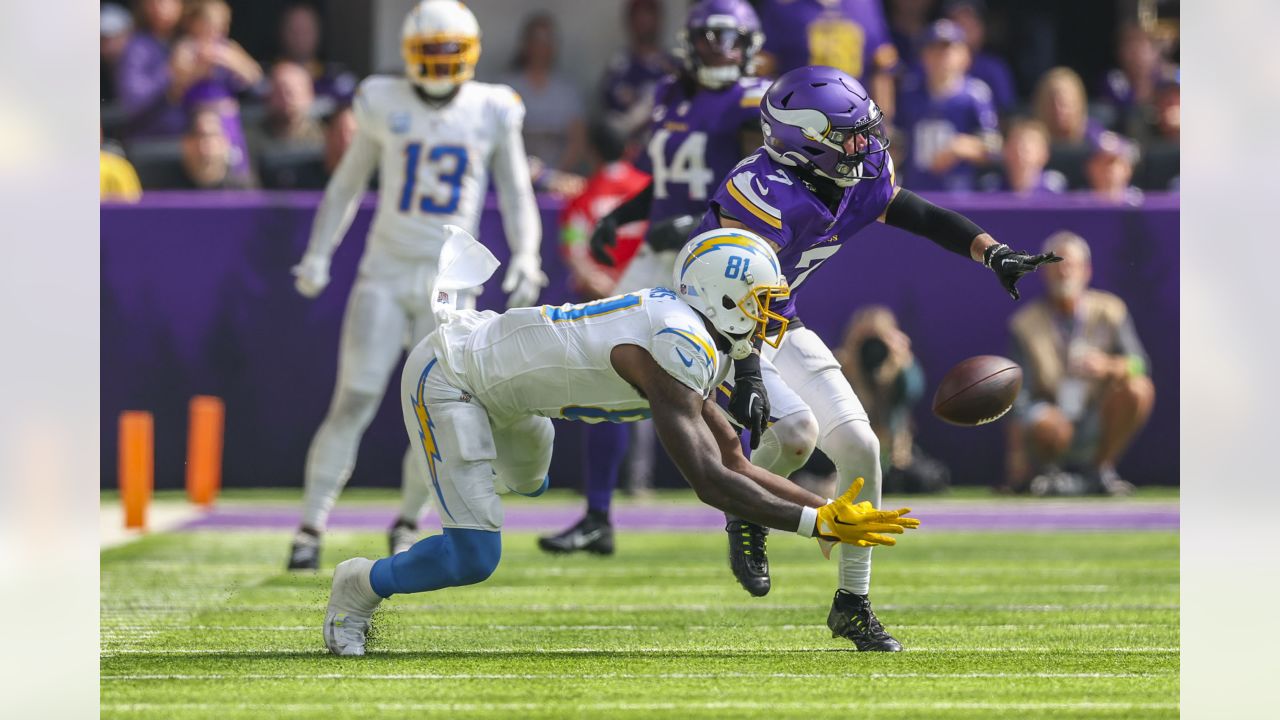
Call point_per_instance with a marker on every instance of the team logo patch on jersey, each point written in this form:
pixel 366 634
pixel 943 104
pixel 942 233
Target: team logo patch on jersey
pixel 442 297
pixel 398 122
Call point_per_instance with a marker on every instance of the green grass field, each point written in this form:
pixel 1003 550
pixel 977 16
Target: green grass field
pixel 207 625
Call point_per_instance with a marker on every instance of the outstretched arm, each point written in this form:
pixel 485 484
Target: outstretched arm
pixel 959 234
pixel 679 420
pixel 733 459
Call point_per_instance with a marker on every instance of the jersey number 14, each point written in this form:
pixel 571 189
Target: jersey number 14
pixel 688 164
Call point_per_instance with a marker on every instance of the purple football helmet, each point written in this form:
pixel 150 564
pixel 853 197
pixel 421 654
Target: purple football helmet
pixel 824 121
pixel 719 41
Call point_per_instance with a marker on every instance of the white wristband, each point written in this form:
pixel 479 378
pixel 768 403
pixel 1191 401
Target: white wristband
pixel 808 522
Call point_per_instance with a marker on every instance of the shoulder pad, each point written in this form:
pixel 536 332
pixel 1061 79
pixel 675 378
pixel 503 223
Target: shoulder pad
pixel 685 351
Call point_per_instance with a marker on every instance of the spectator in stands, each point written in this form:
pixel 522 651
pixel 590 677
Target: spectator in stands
pixel 207 155
pixel 907 22
pixel 627 86
pixel 554 129
pixel 300 34
pixel 1026 152
pixel 209 69
pixel 339 131
pixel 850 35
pixel 291 116
pixel 1085 389
pixel 988 67
pixel 116 27
pixel 142 75
pixel 1061 104
pixel 1168 120
pixel 947 118
pixel 876 358
pixel 1110 168
pixel 1129 91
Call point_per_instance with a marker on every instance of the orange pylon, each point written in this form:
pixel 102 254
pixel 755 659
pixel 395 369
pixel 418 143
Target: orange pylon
pixel 204 449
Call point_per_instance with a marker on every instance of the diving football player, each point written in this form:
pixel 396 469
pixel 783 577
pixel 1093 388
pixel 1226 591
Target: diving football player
pixel 435 134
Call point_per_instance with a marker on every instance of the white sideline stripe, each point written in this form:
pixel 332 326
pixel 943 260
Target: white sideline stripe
pixel 624 676
pixel 825 705
pixel 162 516
pixel 719 649
pixel 174 609
pixel 157 629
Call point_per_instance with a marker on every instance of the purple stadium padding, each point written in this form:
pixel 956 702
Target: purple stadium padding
pixel 197 299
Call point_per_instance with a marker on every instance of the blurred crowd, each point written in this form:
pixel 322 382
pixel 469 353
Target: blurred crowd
pixel 187 107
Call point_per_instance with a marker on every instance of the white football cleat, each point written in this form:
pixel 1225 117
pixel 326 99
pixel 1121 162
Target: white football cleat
pixel 351 605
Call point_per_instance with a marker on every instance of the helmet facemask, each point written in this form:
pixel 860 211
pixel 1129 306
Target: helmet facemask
pixel 756 305
pixel 440 63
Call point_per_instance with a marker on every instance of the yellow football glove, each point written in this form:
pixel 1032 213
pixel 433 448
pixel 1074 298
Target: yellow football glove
pixel 859 524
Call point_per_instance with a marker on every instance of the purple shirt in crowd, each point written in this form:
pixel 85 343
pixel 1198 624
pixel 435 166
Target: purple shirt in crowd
pixel 774 202
pixel 695 138
pixel 929 124
pixel 845 34
pixel 994 71
pixel 142 83
pixel 217 92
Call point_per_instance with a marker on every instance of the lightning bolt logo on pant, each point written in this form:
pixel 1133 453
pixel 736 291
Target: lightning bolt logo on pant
pixel 427 434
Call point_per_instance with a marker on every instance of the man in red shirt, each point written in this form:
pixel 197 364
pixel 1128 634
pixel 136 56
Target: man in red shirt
pixel 613 181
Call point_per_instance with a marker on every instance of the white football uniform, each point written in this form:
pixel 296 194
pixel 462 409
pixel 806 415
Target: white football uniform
pixel 478 393
pixel 434 164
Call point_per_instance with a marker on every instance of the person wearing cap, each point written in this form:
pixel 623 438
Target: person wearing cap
pixel 947 117
pixel 1086 391
pixel 1110 168
pixel 988 67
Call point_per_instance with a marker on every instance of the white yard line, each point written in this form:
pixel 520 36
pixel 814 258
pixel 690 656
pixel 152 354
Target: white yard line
pixel 620 676
pixel 824 706
pixel 122 630
pixel 673 650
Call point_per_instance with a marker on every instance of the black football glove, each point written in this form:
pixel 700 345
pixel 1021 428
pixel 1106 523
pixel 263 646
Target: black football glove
pixel 671 234
pixel 749 403
pixel 1009 265
pixel 603 238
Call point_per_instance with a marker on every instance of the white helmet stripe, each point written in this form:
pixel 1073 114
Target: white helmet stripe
pixel 811 122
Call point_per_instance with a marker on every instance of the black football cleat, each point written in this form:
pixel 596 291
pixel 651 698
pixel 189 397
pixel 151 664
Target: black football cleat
pixel 401 536
pixel 852 618
pixel 747 556
pixel 593 534
pixel 305 553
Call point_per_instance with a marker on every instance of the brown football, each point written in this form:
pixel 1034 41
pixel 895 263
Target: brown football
pixel 978 390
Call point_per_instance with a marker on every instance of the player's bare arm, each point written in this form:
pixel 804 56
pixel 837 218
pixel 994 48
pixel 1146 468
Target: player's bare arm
pixel 733 459
pixel 678 419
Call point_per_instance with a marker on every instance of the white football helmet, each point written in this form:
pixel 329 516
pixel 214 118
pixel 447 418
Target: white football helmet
pixel 731 277
pixel 440 42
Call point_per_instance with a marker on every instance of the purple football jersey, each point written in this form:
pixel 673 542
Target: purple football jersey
pixel 844 34
pixel 694 140
pixel 994 71
pixel 771 199
pixel 930 123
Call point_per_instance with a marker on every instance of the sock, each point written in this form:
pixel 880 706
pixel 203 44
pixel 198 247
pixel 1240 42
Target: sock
pixel 606 448
pixel 459 556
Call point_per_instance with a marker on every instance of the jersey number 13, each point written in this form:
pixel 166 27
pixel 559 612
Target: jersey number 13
pixel 449 163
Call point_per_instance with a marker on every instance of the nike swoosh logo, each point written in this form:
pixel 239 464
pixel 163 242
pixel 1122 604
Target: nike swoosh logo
pixel 752 402
pixel 589 537
pixel 688 362
pixel 761 189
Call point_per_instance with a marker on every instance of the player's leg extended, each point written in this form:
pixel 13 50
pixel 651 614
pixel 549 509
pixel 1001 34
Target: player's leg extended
pixel 373 330
pixel 415 493
pixel 454 436
pixel 845 436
